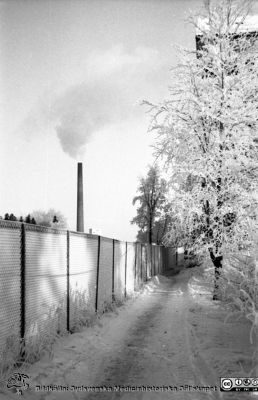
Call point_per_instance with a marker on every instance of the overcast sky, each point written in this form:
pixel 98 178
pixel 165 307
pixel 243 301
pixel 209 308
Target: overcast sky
pixel 72 75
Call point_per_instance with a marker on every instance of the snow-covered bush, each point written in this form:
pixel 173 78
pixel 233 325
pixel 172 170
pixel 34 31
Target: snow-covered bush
pixel 239 285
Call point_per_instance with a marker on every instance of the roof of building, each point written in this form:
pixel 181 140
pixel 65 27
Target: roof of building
pixel 250 24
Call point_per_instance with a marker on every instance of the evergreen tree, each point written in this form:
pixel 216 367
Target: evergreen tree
pixel 12 217
pixel 28 219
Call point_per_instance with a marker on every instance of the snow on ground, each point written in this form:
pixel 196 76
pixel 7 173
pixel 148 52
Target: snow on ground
pixel 171 335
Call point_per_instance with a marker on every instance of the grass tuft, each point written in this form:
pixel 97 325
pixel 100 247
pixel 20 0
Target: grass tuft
pixel 82 310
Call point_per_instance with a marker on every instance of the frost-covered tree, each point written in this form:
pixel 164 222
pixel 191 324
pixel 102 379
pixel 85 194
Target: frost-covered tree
pixel 162 225
pixel 207 133
pixel 51 218
pixel 151 198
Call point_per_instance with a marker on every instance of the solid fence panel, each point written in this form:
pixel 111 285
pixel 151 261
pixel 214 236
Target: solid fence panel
pixel 10 280
pixel 160 260
pixel 137 283
pixel 135 265
pixel 149 263
pixel 144 262
pixel 157 260
pixel 139 263
pixel 130 268
pixel 153 253
pixel 119 270
pixel 171 253
pixel 164 259
pixel 105 274
pixel 140 267
pixel 46 280
pixel 180 257
pixel 83 254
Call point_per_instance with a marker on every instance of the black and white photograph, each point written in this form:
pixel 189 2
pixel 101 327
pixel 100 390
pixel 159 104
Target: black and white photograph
pixel 128 199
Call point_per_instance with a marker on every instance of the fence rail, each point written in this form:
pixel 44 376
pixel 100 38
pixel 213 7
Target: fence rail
pixel 44 269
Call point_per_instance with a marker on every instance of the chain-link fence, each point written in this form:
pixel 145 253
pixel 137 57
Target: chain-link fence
pixel 51 277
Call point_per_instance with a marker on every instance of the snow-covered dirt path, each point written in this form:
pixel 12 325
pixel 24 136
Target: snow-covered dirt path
pixel 156 340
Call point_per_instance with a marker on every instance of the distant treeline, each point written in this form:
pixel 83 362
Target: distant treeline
pixel 28 219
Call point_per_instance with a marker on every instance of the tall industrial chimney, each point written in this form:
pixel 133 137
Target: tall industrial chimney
pixel 80 218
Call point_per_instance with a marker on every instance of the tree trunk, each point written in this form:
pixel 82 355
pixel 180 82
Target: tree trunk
pixel 217 262
pixel 150 236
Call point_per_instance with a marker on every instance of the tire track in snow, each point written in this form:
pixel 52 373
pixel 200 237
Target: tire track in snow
pixel 156 350
pixel 148 343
